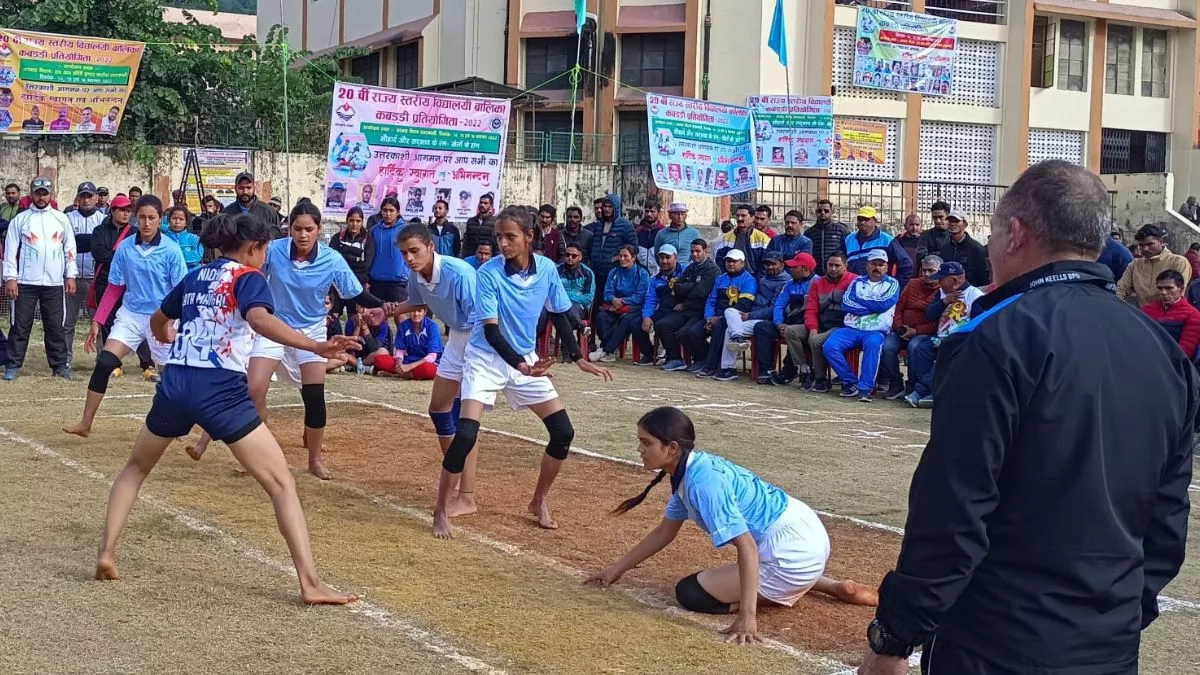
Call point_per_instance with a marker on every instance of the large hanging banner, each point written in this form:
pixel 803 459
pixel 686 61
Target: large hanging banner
pixel 218 168
pixel 903 51
pixel 860 141
pixel 64 84
pixel 701 147
pixel 793 132
pixel 418 145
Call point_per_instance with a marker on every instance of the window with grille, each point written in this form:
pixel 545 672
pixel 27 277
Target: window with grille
pixel 1154 63
pixel 548 58
pixel 863 169
pixel 366 68
pixel 547 136
pixel 633 142
pixel 652 60
pixel 1061 144
pixel 406 60
pixel 1118 61
pixel 1127 151
pixel 1042 65
pixel 1072 58
pixel 843 69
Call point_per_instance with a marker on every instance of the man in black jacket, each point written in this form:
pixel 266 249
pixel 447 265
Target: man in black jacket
pixel 691 294
pixel 828 235
pixel 962 249
pixel 933 239
pixel 480 227
pixel 1050 506
pixel 248 202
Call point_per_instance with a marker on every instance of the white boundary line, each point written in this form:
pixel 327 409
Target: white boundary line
pixel 380 616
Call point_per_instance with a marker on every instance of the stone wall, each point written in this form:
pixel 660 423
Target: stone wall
pixel 1148 198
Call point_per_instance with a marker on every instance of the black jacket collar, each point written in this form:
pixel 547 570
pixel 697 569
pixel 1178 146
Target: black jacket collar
pixel 1059 272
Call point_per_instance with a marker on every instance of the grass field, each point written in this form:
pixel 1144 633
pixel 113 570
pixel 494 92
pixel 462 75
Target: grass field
pixel 207 583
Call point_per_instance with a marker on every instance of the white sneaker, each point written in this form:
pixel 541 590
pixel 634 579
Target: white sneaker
pixel 607 358
pixel 737 346
pixel 596 355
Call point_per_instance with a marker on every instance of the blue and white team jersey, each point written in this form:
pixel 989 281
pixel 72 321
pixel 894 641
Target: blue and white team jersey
pixel 725 500
pixel 449 293
pixel 299 285
pixel 147 270
pixel 516 298
pixel 211 305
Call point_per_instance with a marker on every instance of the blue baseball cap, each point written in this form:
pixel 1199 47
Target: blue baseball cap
pixel 948 269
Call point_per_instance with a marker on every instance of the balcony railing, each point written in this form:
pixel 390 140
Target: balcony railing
pixel 556 147
pixel 978 11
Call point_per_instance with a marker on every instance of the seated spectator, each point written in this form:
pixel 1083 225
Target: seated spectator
pixel 909 323
pixel 418 349
pixel 1179 319
pixel 733 328
pixel 792 241
pixel 1153 258
pixel 621 311
pixel 580 284
pixel 375 334
pixel 964 250
pixel 1115 257
pixel 822 315
pixel 788 311
pixel 951 310
pixel 690 295
pixel 870 237
pixel 869 304
pixel 660 302
pixel 736 289
pixel 484 251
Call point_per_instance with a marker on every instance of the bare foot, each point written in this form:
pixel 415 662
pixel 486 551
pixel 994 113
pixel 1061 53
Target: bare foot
pixel 317 469
pixel 461 505
pixel 541 511
pixel 441 526
pixel 857 594
pixel 78 429
pixel 195 451
pixel 324 595
pixel 106 570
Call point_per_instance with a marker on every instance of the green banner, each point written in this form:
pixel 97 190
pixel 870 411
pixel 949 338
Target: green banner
pixel 795 120
pixel 59 72
pixel 423 138
pixel 704 133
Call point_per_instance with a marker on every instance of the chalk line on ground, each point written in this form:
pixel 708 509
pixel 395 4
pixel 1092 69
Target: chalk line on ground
pixel 378 615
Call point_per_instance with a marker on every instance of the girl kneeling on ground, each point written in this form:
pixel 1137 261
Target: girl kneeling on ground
pixel 781 544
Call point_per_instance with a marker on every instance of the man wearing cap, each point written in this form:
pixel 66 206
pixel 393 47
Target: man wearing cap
pixel 735 289
pixel 732 330
pixel 84 220
pixel 102 199
pixel 951 309
pixel 964 250
pixel 677 233
pixel 870 304
pixel 870 237
pixel 788 311
pixel 792 241
pixel 248 202
pixel 39 263
pixel 908 324
pixel 660 304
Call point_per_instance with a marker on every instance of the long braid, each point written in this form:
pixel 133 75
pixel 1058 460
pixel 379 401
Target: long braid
pixel 668 425
pixel 628 504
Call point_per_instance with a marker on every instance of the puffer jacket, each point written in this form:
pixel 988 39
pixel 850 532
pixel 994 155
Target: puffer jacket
pixel 827 239
pixel 606 244
pixel 769 288
pixel 823 309
pixel 477 231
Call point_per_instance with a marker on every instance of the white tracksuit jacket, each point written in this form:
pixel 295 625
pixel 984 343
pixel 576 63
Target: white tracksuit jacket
pixel 45 244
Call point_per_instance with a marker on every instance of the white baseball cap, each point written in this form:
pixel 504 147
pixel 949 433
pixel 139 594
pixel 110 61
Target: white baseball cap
pixel 736 254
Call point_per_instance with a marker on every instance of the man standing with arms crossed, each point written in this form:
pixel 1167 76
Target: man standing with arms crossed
pixel 1050 506
pixel 39 261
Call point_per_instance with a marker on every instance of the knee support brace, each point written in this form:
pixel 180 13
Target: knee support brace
pixel 446 423
pixel 460 447
pixel 313 396
pixel 106 363
pixel 561 434
pixel 692 597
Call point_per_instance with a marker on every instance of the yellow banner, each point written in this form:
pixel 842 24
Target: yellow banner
pixel 860 141
pixel 64 84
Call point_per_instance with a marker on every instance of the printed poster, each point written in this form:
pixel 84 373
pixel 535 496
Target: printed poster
pixel 701 147
pixel 64 84
pixel 906 52
pixel 218 169
pixel 792 132
pixel 860 141
pixel 420 146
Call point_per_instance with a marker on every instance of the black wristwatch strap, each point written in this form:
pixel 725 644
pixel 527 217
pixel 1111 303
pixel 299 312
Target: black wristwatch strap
pixel 885 644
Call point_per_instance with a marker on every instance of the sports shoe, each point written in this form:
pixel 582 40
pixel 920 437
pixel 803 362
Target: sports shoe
pixel 64 372
pixel 913 399
pixel 820 387
pixel 849 390
pixel 11 374
pixel 674 365
pixel 925 402
pixel 149 375
pixel 644 362
pixel 738 346
pixel 117 372
pixel 895 392
pixel 725 375
pixel 809 383
pixel 766 380
pixel 776 379
pixel 607 358
pixel 705 372
pixel 596 355
pixel 696 367
pixel 864 397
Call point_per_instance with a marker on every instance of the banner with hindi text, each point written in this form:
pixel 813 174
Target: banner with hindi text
pixel 905 51
pixel 792 132
pixel 701 147
pixel 860 141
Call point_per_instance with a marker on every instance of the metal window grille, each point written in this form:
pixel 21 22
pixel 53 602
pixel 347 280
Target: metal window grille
pixel 1061 144
pixel 977 74
pixel 1072 59
pixel 1155 60
pixel 1118 61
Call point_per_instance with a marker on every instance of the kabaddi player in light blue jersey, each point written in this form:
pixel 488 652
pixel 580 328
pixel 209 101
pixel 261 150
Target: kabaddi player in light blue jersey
pixel 444 285
pixel 510 293
pixel 145 267
pixel 782 547
pixel 300 270
pixel 219 307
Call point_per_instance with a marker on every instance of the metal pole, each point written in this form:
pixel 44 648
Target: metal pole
pixel 287 147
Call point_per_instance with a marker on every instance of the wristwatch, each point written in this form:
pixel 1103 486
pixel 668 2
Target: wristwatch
pixel 884 644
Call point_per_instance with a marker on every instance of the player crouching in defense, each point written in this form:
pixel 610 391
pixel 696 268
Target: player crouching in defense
pixel 219 307
pixel 781 544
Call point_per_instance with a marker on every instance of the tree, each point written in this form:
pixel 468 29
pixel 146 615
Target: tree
pixel 192 85
pixel 236 6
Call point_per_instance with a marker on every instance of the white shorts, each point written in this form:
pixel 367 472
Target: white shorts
pixel 131 329
pixel 454 355
pixel 792 555
pixel 290 359
pixel 486 374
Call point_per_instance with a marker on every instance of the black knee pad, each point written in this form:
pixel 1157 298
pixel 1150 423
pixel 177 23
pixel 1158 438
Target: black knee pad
pixel 106 363
pixel 460 447
pixel 561 434
pixel 692 597
pixel 313 396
